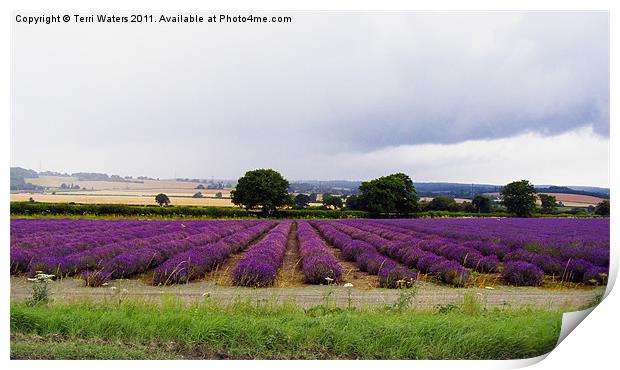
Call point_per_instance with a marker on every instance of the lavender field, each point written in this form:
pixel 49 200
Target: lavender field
pixel 453 252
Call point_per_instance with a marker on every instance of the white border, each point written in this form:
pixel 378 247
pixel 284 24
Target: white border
pixel 592 344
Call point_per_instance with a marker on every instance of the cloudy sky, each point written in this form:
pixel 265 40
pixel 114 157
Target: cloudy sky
pixel 485 98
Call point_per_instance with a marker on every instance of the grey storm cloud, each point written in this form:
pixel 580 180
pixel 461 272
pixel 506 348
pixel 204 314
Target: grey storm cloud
pixel 326 83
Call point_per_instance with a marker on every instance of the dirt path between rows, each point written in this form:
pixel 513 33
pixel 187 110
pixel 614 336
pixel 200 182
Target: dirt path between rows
pixel 289 274
pixel 350 272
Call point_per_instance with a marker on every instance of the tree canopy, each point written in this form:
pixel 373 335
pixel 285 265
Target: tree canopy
pixel 602 209
pixel 519 197
pixel 548 203
pixel 482 204
pixel 442 203
pixel 162 199
pixel 301 201
pixel 352 203
pixel 332 201
pixel 392 194
pixel 264 188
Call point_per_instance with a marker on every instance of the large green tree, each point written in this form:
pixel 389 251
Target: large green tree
pixel 264 188
pixel 392 194
pixel 519 197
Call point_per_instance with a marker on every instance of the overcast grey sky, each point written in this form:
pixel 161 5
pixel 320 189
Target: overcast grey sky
pixel 468 97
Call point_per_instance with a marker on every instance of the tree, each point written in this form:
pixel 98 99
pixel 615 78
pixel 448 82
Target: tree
pixel 352 203
pixel 482 204
pixel 388 194
pixel 264 188
pixel 162 199
pixel 333 201
pixel 301 201
pixel 198 195
pixel 519 197
pixel 200 186
pixel 548 203
pixel 602 208
pixel 442 203
pixel 468 207
pixel 218 194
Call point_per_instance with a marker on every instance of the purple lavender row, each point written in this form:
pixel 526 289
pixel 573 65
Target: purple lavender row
pixel 32 228
pixel 167 244
pixel 466 256
pixel 367 258
pixel 52 238
pixel 63 259
pixel 197 261
pixel 259 266
pixel 443 259
pixel 36 235
pixel 483 247
pixel 425 261
pixel 25 259
pixel 576 270
pixel 586 239
pixel 140 260
pixel 125 260
pixel 565 265
pixel 561 232
pixel 317 262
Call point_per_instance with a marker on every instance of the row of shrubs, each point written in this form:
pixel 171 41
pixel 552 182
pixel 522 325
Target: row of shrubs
pixel 76 209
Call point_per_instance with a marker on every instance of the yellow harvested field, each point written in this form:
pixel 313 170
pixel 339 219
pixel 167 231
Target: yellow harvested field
pixel 145 193
pixel 576 200
pixel 571 200
pixel 119 199
pixel 112 192
pixel 149 186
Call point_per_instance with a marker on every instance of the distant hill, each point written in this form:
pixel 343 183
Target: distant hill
pixel 338 187
pixel 18 175
pixel 594 191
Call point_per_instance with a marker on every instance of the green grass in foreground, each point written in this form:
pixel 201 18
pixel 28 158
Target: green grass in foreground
pixel 132 330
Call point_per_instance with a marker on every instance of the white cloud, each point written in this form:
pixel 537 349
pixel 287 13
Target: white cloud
pixel 216 100
pixel 578 157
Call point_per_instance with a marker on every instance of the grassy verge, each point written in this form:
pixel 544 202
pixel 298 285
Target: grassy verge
pixel 54 347
pixel 244 330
